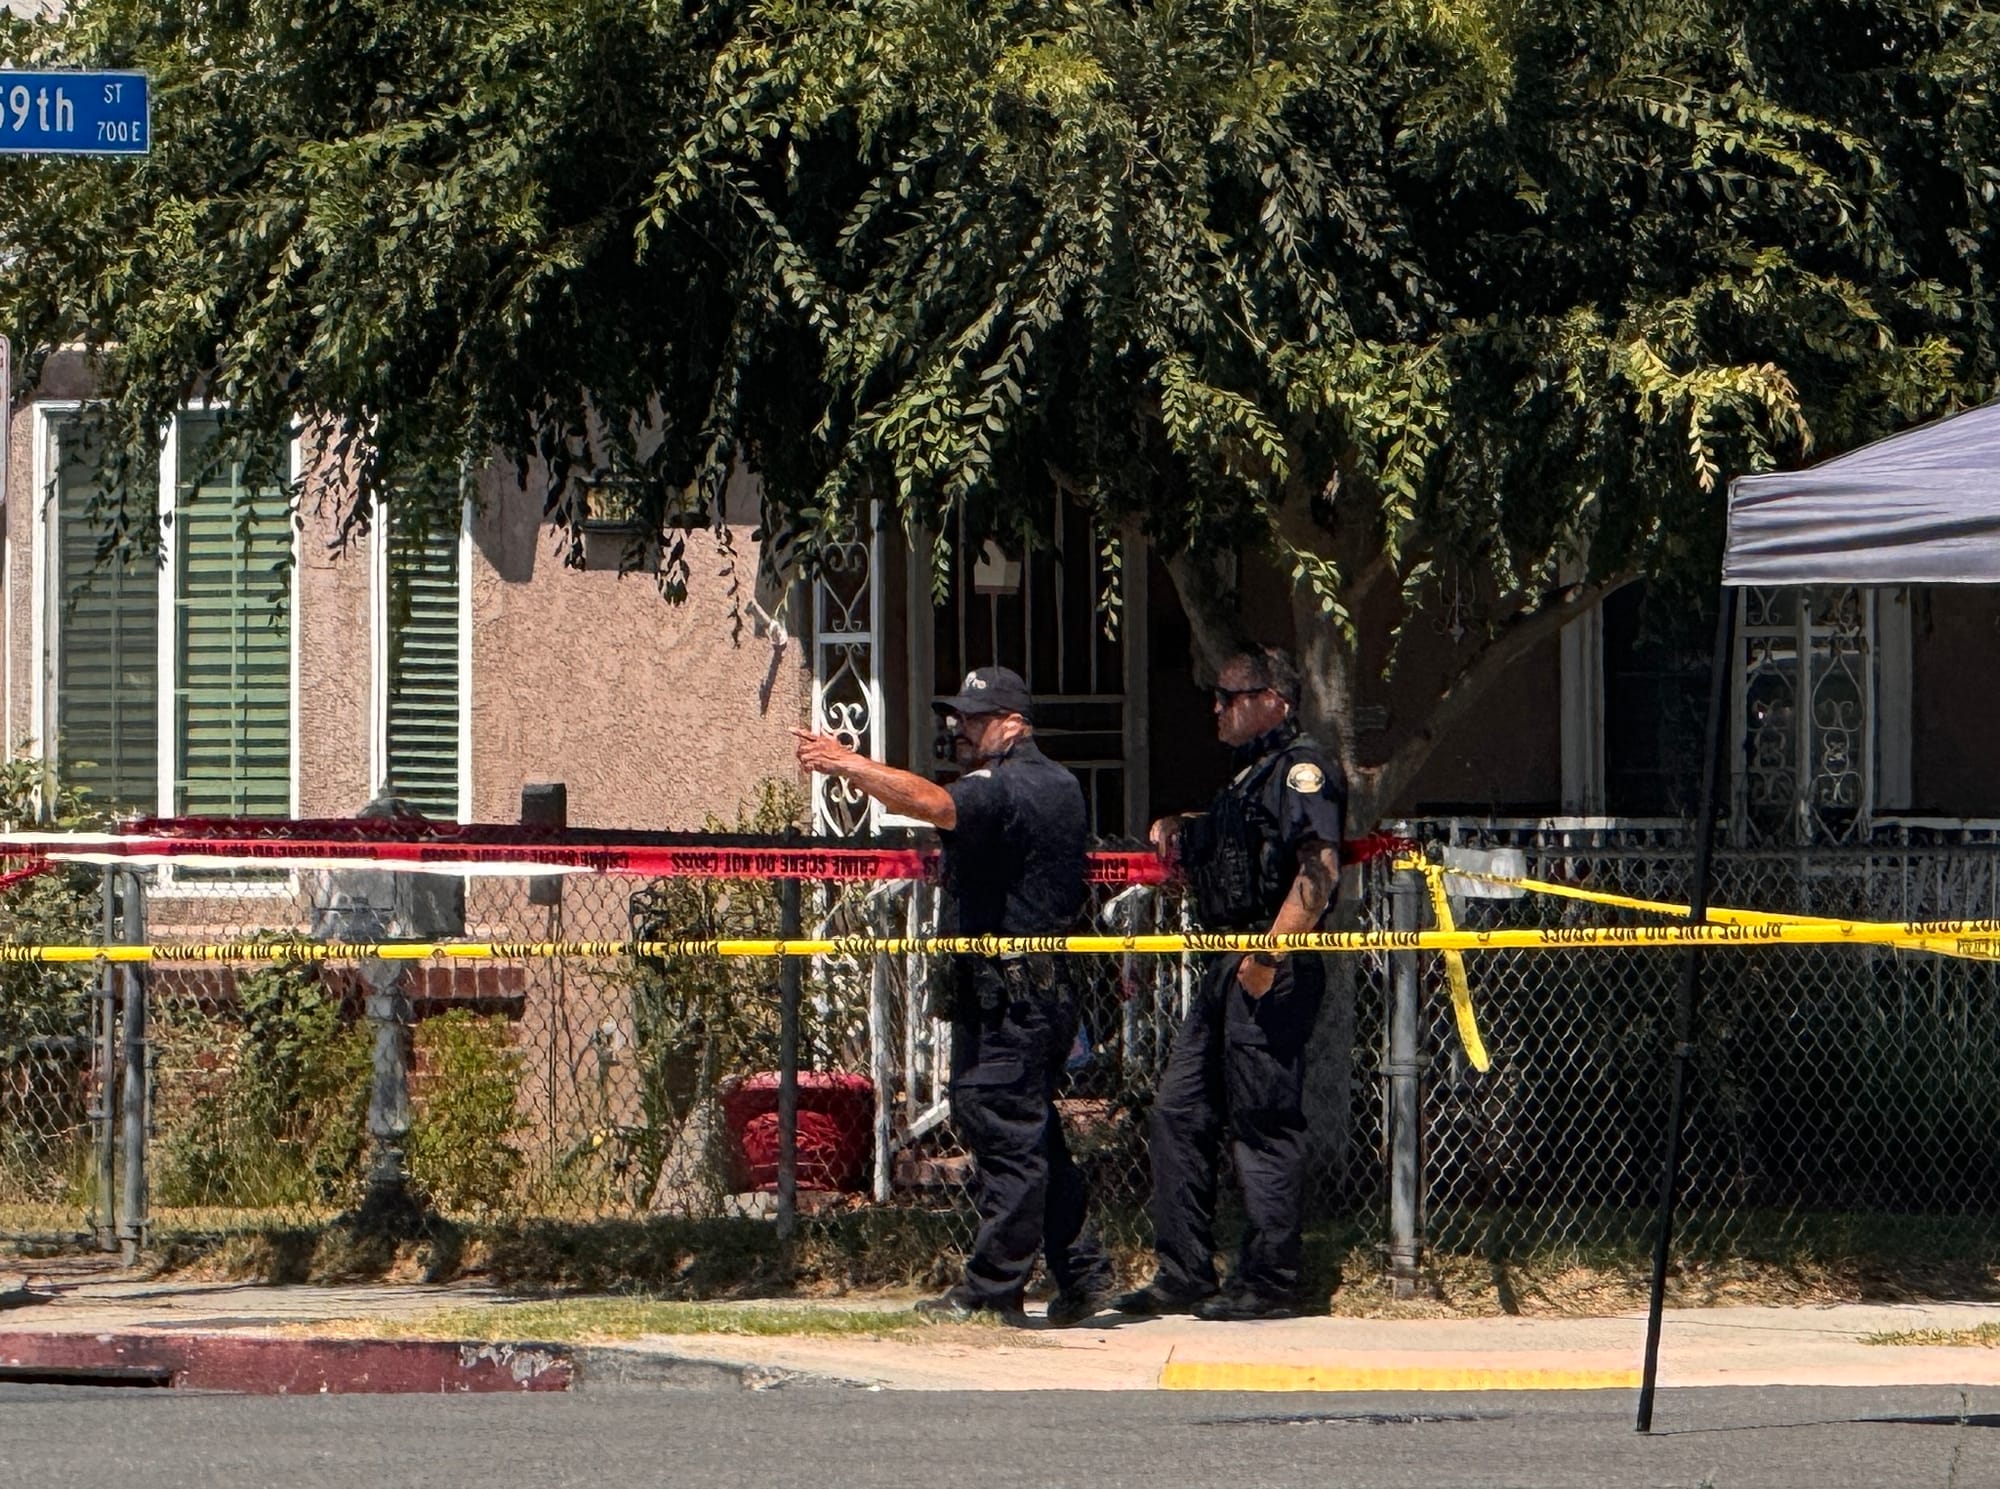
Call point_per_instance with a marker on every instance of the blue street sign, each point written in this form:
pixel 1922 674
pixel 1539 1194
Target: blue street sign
pixel 75 113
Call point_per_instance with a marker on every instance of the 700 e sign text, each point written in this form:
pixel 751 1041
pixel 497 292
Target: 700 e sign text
pixel 75 113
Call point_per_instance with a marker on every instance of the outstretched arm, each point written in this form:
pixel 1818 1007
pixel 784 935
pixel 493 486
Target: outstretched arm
pixel 902 792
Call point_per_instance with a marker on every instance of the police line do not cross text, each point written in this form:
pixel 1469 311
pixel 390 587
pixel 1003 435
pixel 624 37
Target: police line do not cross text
pixel 75 113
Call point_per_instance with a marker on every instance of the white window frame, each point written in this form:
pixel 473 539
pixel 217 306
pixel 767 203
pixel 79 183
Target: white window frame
pixel 45 638
pixel 1893 680
pixel 1582 713
pixel 378 651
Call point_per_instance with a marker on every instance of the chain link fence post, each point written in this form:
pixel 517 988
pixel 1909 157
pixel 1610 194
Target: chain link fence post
pixel 135 1089
pixel 104 1115
pixel 881 1059
pixel 388 1201
pixel 1406 1242
pixel 790 973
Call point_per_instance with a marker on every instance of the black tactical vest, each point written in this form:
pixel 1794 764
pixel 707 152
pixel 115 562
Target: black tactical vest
pixel 1233 854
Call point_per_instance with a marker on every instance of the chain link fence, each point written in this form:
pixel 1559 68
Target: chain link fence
pixel 1842 1096
pixel 1838 1093
pixel 54 1106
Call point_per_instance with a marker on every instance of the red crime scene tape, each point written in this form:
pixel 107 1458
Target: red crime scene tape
pixel 420 843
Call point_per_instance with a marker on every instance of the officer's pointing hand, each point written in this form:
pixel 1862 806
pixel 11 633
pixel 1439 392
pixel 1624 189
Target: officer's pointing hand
pixel 823 753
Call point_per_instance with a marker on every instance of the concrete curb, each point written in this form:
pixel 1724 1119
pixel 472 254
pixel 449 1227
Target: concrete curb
pixel 615 1367
pixel 264 1365
pixel 278 1365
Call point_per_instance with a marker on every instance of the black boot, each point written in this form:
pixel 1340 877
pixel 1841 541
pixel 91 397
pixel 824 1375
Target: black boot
pixel 961 1306
pixel 1073 1305
pixel 1234 1306
pixel 1156 1298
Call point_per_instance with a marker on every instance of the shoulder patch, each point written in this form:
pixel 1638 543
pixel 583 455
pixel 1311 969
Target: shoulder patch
pixel 1305 778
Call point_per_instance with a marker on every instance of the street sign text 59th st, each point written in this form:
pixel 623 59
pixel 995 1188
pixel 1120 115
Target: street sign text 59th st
pixel 75 113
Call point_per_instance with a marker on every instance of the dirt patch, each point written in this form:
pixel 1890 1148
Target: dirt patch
pixel 865 1251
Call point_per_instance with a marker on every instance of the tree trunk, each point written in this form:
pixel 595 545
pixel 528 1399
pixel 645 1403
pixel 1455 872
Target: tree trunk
pixel 1206 585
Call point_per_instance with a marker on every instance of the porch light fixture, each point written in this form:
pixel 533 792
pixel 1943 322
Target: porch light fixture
pixel 995 573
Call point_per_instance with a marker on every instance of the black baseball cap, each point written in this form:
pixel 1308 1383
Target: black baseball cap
pixel 989 690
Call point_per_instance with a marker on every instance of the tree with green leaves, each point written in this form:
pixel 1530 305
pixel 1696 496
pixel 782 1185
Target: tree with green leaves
pixel 1488 293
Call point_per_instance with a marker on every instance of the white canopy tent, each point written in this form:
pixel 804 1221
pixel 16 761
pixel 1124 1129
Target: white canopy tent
pixel 1920 507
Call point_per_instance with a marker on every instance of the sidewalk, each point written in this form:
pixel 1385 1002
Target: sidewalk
pixel 319 1338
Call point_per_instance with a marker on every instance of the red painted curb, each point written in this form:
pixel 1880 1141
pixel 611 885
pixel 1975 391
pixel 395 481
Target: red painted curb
pixel 262 1366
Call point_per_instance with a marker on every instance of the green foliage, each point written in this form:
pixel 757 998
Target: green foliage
pixel 1405 291
pixel 274 1094
pixel 45 1022
pixel 467 1107
pixel 697 1020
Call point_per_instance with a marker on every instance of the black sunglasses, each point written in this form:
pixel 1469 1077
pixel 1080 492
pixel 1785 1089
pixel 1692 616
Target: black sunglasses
pixel 1226 696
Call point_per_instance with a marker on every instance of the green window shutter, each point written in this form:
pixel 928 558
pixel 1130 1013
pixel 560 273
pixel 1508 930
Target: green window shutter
pixel 424 640
pixel 107 715
pixel 232 611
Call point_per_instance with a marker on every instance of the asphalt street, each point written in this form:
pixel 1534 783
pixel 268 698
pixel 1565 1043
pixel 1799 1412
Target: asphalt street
pixel 53 1437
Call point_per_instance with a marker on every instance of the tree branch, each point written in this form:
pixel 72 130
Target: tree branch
pixel 1211 607
pixel 1463 694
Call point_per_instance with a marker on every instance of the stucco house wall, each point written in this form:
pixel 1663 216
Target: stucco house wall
pixel 653 714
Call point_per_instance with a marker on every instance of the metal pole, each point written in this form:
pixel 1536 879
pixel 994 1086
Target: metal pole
pixel 105 1217
pixel 1689 994
pixel 881 1035
pixel 882 1067
pixel 789 978
pixel 1406 1247
pixel 545 807
pixel 134 1208
pixel 916 1000
pixel 387 1205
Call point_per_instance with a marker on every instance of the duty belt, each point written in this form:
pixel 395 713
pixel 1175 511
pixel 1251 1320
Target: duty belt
pixel 1038 967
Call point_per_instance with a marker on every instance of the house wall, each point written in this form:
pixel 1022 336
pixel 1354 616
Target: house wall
pixel 653 714
pixel 335 662
pixel 19 661
pixel 1955 701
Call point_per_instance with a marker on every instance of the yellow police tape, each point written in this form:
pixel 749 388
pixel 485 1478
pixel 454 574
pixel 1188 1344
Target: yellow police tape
pixel 1963 937
pixel 1722 915
pixel 1454 972
pixel 1435 876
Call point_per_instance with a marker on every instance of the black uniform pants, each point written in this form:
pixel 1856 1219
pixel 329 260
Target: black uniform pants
pixel 1237 1067
pixel 1006 1064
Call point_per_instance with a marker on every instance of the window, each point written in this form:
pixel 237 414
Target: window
pixel 1817 742
pixel 1656 677
pixel 170 678
pixel 1804 709
pixel 106 712
pixel 231 551
pixel 420 670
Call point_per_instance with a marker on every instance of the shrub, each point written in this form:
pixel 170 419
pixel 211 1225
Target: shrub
pixel 45 1011
pixel 468 1091
pixel 277 1096
pixel 696 1020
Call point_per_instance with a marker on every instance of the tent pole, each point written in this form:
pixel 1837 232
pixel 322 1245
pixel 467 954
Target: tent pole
pixel 1690 989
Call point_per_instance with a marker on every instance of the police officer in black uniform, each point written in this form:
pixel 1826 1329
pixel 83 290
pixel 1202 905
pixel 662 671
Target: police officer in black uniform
pixel 1013 826
pixel 1263 857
